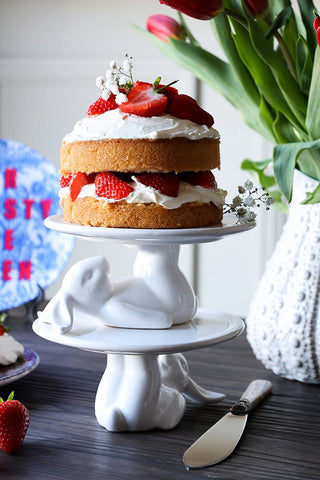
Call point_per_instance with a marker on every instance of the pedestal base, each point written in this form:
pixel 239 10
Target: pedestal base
pixel 141 392
pixel 146 383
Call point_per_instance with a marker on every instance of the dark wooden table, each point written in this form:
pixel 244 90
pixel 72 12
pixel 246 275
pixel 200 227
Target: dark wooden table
pixel 64 440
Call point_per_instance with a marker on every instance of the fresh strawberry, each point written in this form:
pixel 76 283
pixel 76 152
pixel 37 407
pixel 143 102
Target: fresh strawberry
pixel 144 101
pixel 101 106
pixel 168 91
pixel 3 329
pixel 166 183
pixel 14 423
pixel 78 181
pixel 110 186
pixel 185 107
pixel 65 181
pixel 203 179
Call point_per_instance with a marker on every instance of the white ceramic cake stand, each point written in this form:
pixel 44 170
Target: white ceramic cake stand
pixel 141 323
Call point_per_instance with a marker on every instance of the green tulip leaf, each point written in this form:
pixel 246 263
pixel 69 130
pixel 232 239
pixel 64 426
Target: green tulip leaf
pixel 279 21
pixel 296 100
pixel 285 159
pixel 212 70
pixel 257 169
pixel 313 111
pixel 312 197
pixel 304 64
pixel 283 130
pixel 306 8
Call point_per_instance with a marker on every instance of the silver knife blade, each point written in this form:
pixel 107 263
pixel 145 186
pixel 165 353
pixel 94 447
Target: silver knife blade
pixel 217 443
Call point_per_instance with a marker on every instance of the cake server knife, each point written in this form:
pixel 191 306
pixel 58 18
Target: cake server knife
pixel 221 439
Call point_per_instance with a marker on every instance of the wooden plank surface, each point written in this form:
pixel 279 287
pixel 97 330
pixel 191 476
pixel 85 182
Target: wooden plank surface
pixel 64 440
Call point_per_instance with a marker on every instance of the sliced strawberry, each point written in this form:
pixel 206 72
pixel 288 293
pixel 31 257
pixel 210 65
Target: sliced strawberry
pixel 110 186
pixel 101 106
pixel 65 181
pixel 78 181
pixel 166 183
pixel 168 91
pixel 203 179
pixel 144 101
pixel 185 107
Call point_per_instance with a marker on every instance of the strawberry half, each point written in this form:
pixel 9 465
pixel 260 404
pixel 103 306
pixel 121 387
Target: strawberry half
pixel 166 183
pixel 65 181
pixel 101 106
pixel 144 101
pixel 110 186
pixel 14 423
pixel 185 107
pixel 203 179
pixel 78 181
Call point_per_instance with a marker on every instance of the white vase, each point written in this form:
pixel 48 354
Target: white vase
pixel 283 326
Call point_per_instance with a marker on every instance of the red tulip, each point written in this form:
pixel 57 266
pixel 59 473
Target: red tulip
pixel 257 8
pixel 200 9
pixel 165 27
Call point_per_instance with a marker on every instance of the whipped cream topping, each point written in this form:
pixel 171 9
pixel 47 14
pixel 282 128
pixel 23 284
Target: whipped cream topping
pixel 10 349
pixel 143 194
pixel 115 124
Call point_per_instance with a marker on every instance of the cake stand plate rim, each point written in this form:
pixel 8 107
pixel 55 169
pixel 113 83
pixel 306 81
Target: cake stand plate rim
pixel 206 329
pixel 151 236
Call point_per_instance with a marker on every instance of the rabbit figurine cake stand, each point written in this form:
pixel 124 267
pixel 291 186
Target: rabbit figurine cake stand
pixel 142 323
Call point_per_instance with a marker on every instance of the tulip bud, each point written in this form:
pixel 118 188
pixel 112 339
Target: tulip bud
pixel 200 9
pixel 165 27
pixel 257 8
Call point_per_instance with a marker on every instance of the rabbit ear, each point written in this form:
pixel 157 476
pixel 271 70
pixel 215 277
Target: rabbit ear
pixel 62 313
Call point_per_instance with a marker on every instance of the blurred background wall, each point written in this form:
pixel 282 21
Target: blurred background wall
pixel 50 55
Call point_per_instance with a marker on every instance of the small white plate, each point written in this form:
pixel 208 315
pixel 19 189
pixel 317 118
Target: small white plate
pixel 22 367
pixel 138 236
pixel 207 328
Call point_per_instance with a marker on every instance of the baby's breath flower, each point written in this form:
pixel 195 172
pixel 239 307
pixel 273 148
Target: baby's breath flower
pixel 100 82
pixel 249 201
pixel 105 94
pixel 248 184
pixel 237 201
pixel 121 98
pixel 249 196
pixel 241 212
pixel 109 75
pixel 114 89
pixel 113 64
pixel 126 66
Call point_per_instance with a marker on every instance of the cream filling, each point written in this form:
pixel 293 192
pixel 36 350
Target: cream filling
pixel 10 349
pixel 115 124
pixel 142 194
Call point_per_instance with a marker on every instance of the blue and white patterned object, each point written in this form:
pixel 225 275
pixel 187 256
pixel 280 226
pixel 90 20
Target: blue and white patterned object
pixel 30 253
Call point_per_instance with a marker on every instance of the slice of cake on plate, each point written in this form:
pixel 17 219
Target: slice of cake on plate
pixel 142 158
pixel 10 349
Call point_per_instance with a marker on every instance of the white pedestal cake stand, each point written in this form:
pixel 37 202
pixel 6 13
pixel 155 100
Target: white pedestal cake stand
pixel 141 323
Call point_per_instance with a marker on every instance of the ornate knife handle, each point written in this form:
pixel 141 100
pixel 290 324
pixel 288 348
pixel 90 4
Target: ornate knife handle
pixel 255 392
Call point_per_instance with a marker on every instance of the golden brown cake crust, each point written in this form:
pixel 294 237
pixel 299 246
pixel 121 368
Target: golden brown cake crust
pixel 142 155
pixel 97 213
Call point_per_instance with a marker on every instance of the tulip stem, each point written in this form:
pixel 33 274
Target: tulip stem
pixel 239 18
pixel 187 31
pixel 284 50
